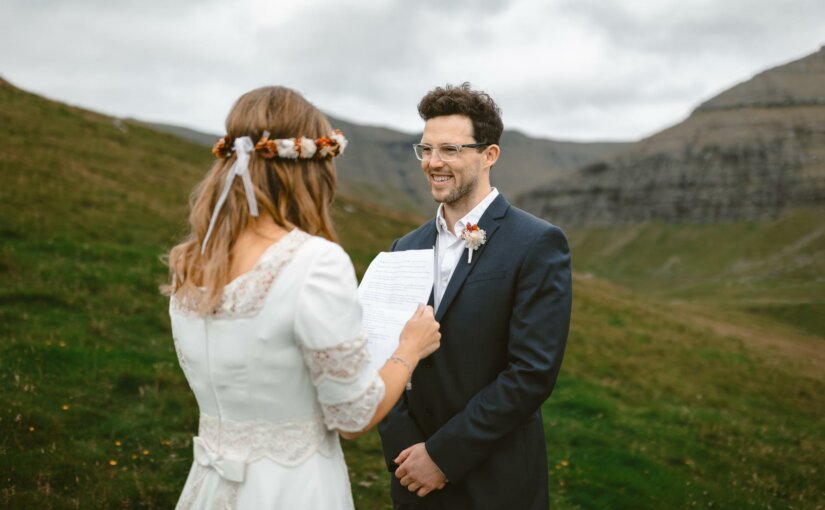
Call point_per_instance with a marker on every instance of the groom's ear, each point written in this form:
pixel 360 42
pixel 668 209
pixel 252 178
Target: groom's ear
pixel 491 154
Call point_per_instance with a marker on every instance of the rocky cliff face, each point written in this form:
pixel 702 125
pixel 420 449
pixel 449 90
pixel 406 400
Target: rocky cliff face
pixel 751 152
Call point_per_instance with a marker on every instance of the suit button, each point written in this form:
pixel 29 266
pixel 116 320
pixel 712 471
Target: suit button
pixel 428 364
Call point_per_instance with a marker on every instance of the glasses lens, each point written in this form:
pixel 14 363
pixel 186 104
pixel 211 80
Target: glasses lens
pixel 448 152
pixel 422 151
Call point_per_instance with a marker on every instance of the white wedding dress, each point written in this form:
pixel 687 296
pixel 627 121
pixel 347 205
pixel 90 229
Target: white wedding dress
pixel 278 367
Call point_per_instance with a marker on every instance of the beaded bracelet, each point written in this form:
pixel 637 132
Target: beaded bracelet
pixel 407 365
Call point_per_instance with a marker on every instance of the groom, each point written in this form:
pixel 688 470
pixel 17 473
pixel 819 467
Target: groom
pixel 469 434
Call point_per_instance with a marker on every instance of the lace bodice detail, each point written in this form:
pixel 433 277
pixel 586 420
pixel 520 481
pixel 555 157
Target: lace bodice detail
pixel 244 296
pixel 228 446
pixel 289 443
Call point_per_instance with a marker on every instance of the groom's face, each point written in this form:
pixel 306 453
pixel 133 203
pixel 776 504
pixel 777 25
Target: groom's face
pixel 453 182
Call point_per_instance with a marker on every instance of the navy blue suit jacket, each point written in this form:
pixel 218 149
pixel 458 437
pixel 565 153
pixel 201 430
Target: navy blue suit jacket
pixel 475 402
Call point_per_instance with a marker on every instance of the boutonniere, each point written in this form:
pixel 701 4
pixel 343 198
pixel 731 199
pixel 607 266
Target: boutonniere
pixel 473 237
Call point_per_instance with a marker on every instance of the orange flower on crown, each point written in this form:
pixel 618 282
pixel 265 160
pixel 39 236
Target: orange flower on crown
pixel 221 147
pixel 326 147
pixel 266 147
pixel 289 148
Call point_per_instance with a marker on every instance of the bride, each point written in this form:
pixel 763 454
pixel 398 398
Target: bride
pixel 266 321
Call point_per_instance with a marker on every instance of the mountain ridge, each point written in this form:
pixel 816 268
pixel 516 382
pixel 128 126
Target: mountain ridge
pixel 379 165
pixel 751 152
pixel 785 85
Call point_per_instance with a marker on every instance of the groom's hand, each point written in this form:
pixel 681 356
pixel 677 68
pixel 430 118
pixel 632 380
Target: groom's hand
pixel 417 471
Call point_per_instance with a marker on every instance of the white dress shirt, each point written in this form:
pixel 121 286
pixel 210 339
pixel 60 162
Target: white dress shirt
pixel 449 246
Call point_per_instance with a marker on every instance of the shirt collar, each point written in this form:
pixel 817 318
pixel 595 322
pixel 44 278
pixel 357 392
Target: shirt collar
pixel 471 217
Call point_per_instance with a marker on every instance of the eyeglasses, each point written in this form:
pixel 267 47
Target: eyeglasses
pixel 446 152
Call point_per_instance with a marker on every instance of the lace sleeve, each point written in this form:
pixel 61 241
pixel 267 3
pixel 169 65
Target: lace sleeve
pixel 341 362
pixel 339 374
pixel 328 332
pixel 354 415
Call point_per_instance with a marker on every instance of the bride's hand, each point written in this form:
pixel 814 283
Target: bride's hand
pixel 421 333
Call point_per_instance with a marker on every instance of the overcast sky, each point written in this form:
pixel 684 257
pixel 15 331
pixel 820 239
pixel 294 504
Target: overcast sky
pixel 563 69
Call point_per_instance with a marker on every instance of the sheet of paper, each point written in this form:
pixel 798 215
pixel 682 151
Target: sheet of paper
pixel 392 288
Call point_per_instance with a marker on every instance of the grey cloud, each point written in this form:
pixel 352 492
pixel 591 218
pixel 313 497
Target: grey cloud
pixel 467 8
pixel 582 68
pixel 732 27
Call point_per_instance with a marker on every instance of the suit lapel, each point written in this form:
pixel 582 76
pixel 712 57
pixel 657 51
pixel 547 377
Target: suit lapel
pixel 489 222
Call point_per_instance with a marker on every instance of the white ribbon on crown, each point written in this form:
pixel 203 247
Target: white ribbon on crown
pixel 243 148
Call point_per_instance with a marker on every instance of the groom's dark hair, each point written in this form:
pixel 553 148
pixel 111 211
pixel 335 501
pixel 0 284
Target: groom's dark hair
pixel 463 100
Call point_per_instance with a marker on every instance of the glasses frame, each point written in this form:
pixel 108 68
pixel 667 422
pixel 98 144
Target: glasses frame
pixel 458 146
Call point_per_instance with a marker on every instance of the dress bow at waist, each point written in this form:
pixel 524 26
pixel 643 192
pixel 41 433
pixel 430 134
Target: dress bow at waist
pixel 232 470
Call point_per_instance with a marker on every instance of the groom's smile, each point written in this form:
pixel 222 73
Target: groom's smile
pixel 440 180
pixel 454 181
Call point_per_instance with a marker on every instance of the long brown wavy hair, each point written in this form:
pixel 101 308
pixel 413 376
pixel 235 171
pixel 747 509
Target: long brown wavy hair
pixel 295 193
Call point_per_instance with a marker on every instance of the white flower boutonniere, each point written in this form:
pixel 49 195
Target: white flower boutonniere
pixel 473 237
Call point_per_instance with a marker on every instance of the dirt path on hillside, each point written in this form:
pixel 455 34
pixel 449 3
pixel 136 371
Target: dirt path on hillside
pixel 776 344
pixel 805 352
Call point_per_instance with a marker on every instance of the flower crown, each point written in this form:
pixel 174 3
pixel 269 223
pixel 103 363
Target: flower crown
pixel 289 148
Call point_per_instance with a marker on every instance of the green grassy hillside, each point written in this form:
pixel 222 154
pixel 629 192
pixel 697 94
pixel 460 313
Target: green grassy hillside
pixel 771 270
pixel 660 404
